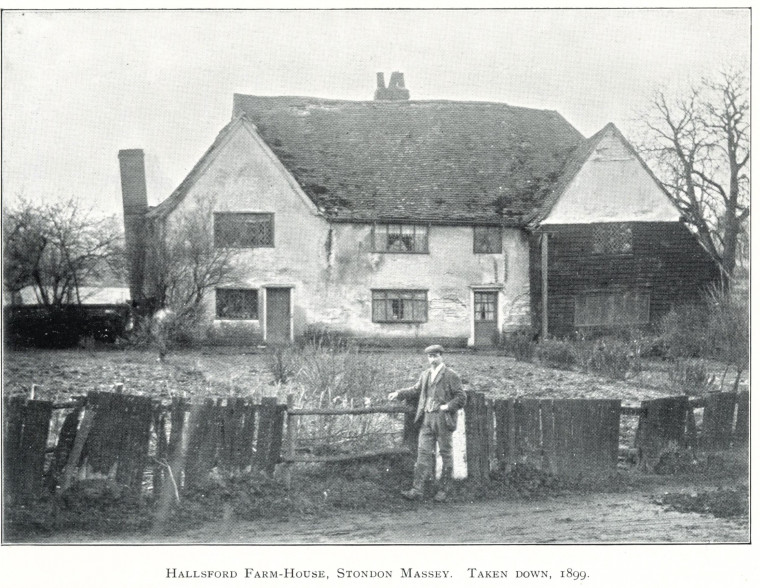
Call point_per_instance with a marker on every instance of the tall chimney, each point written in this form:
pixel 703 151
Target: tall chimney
pixel 134 196
pixel 395 89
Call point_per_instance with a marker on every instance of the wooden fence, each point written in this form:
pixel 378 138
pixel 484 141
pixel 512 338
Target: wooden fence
pixel 145 445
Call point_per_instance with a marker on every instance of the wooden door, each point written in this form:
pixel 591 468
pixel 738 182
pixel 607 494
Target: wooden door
pixel 278 315
pixel 486 323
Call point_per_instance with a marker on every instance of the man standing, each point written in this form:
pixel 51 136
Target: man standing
pixel 439 396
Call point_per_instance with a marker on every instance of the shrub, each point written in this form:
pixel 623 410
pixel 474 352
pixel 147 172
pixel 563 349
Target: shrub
pixel 683 331
pixel 727 332
pixel 320 335
pixel 556 353
pixel 282 362
pixel 611 358
pixel 521 344
pixel 691 377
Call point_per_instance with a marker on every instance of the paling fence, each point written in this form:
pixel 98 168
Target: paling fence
pixel 167 448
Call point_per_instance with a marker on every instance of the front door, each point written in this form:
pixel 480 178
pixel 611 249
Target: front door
pixel 486 323
pixel 278 315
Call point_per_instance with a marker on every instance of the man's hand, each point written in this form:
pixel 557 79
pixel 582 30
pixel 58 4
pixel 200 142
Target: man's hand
pixel 443 407
pixel 393 396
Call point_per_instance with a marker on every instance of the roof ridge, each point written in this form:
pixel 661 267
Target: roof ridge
pixel 395 103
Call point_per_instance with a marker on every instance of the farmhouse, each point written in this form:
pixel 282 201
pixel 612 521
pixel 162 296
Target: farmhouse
pixel 400 219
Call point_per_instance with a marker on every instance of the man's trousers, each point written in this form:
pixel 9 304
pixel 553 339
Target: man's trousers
pixel 432 432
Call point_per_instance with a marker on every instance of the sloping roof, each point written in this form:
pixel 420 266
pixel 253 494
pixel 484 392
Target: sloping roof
pixel 436 161
pixel 166 206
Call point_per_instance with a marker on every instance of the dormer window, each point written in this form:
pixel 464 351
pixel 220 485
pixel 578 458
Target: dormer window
pixel 400 238
pixel 612 239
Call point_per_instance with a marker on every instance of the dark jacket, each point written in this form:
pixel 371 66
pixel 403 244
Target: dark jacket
pixel 445 389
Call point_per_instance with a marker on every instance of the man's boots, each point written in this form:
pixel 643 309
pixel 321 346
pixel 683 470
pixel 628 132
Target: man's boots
pixel 445 486
pixel 417 491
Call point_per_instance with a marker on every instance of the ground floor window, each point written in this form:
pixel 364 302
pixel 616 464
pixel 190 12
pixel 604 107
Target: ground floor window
pixel 611 308
pixel 399 306
pixel 237 304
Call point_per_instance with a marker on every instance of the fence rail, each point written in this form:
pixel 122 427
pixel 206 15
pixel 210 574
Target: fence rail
pixel 167 448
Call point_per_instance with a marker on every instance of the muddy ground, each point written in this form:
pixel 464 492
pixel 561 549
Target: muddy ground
pixel 635 516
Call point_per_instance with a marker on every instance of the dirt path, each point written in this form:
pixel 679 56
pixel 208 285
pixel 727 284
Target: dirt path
pixel 631 517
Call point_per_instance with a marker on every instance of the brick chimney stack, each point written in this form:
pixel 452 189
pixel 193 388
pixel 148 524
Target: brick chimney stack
pixel 395 90
pixel 134 196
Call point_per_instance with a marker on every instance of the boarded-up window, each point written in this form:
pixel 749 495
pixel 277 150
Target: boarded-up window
pixel 237 304
pixel 607 309
pixel 399 306
pixel 392 238
pixel 487 240
pixel 243 230
pixel 612 238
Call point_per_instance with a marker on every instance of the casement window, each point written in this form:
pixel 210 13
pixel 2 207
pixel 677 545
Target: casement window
pixel 611 308
pixel 486 240
pixel 612 239
pixel 399 306
pixel 237 304
pixel 243 230
pixel 397 238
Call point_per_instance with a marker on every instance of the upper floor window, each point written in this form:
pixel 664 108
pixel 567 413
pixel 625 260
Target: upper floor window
pixel 399 306
pixel 392 238
pixel 243 230
pixel 612 238
pixel 487 240
pixel 610 308
pixel 237 304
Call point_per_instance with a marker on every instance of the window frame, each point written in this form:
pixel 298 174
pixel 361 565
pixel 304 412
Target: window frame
pixel 268 215
pixel 217 315
pixel 611 293
pixel 397 295
pixel 487 228
pixel 613 228
pixel 401 226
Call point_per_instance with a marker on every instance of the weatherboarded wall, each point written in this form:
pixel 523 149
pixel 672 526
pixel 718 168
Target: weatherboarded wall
pixel 666 262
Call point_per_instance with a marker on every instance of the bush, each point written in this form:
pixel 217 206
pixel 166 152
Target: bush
pixel 683 331
pixel 691 377
pixel 282 362
pixel 556 353
pixel 521 344
pixel 612 358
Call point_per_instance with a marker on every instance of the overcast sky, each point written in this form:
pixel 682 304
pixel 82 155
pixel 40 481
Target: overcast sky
pixel 79 86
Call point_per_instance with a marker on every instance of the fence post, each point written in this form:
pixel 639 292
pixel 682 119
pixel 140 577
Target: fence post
pixel 741 434
pixel 269 438
pixel 662 422
pixel 290 442
pixel 477 432
pixel 718 420
pixel 411 430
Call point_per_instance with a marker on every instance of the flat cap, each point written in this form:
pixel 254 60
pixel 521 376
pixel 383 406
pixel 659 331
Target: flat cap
pixel 434 349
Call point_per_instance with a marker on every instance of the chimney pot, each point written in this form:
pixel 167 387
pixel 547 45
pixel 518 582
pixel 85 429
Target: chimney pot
pixel 395 90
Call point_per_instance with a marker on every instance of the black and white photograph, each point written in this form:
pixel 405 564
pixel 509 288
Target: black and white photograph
pixel 388 277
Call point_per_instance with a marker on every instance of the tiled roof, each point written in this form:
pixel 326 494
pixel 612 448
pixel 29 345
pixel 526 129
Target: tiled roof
pixel 434 161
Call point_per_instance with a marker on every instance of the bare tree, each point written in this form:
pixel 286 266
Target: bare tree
pixel 57 248
pixel 698 145
pixel 187 264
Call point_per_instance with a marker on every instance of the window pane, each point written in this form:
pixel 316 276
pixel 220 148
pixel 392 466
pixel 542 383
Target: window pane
pixel 487 240
pixel 243 230
pixel 237 304
pixel 394 238
pixel 402 306
pixel 600 309
pixel 613 238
